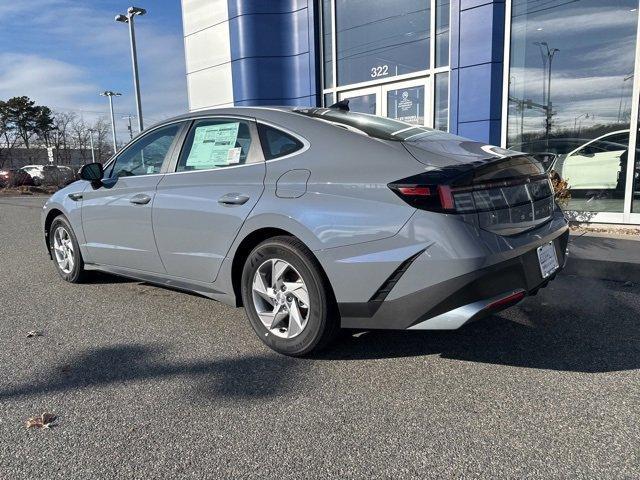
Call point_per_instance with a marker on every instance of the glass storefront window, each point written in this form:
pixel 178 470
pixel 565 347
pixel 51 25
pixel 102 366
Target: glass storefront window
pixel 570 87
pixel 442 32
pixel 381 38
pixel 328 99
pixel 441 103
pixel 327 35
pixel 363 103
pixel 406 104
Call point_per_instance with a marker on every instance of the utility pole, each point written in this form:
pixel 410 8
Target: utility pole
pixel 93 156
pixel 628 77
pixel 128 18
pixel 547 53
pixel 128 118
pixel 110 95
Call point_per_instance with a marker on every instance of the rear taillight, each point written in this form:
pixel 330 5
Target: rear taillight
pixel 419 192
pixel 426 197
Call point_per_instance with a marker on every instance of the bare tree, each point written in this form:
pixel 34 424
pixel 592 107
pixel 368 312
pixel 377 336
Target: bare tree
pixel 62 127
pixel 101 139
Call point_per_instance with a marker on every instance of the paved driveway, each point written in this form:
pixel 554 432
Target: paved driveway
pixel 152 383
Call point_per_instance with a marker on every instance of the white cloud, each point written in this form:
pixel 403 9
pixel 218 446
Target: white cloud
pixel 51 76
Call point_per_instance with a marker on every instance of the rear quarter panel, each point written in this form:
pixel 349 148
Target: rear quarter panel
pixel 347 200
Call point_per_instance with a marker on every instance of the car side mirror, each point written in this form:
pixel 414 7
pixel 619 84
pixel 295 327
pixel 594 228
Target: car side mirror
pixel 92 172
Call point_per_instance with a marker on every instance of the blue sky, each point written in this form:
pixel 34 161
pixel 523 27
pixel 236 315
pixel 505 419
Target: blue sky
pixel 62 53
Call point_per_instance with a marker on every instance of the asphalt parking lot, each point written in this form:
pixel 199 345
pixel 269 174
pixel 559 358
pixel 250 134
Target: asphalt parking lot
pixel 151 383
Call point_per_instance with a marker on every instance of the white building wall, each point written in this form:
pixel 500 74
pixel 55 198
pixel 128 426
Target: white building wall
pixel 207 53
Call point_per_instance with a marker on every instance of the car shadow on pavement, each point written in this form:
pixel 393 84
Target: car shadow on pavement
pixel 547 337
pixel 243 377
pixel 104 278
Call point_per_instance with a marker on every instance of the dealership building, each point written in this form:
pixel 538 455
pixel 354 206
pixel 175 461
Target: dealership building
pixel 554 78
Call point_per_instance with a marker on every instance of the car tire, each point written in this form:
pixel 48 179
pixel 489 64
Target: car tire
pixel 307 317
pixel 65 251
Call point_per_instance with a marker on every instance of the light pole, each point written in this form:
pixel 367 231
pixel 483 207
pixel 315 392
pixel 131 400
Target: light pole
pixel 93 156
pixel 110 95
pixel 575 123
pixel 128 18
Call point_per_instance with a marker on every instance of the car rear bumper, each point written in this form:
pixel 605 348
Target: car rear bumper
pixel 451 303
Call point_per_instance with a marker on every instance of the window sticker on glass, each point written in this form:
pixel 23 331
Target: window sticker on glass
pixel 214 145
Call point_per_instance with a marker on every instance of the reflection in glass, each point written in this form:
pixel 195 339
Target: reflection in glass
pixel 328 99
pixel 379 38
pixel 441 104
pixel 363 104
pixel 406 105
pixel 442 33
pixel 570 87
pixel 327 54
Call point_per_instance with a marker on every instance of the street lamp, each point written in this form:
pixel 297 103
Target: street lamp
pixel 128 18
pixel 575 122
pixel 110 95
pixel 93 156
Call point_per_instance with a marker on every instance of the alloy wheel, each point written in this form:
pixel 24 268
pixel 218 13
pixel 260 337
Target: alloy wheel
pixel 281 298
pixel 63 249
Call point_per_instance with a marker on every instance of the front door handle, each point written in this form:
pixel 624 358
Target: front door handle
pixel 233 199
pixel 140 199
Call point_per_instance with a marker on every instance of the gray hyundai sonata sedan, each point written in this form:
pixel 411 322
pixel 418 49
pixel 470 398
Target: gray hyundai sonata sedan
pixel 315 219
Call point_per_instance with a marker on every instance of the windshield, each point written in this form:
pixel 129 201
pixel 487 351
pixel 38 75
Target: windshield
pixel 374 126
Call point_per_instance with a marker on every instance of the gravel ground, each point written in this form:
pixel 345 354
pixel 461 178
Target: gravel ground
pixel 151 383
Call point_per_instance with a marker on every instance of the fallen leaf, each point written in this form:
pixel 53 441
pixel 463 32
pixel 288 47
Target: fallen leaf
pixel 43 421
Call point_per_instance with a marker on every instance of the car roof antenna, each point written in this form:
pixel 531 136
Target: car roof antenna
pixel 341 105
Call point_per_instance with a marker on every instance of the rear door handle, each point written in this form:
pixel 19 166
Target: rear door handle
pixel 233 199
pixel 140 199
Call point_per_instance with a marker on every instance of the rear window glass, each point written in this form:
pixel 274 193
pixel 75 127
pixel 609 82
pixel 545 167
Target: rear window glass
pixel 375 126
pixel 276 143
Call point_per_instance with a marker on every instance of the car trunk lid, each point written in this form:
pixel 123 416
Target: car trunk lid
pixel 506 192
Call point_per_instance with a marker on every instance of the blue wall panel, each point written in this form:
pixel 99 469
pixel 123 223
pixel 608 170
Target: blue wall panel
pixel 273 52
pixel 477 48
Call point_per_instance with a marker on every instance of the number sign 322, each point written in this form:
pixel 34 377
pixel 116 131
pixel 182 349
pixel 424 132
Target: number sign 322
pixel 380 71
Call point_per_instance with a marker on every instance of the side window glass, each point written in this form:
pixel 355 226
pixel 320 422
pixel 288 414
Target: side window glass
pixel 215 144
pixel 276 143
pixel 145 157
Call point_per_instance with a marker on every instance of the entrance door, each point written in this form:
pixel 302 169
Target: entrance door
pixel 364 100
pixel 405 101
